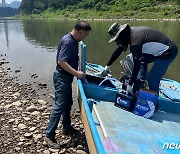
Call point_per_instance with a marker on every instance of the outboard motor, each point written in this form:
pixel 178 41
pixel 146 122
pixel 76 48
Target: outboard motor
pixel 127 65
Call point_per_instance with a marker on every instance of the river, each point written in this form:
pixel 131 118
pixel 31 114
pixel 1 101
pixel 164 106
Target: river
pixel 30 46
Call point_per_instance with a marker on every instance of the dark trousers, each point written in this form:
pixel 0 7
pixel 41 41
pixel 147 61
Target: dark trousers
pixel 63 102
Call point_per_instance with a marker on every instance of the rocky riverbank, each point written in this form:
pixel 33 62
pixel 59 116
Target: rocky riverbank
pixel 24 115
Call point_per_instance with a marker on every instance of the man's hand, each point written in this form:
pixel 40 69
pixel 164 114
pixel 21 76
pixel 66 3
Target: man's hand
pixel 80 74
pixel 105 71
pixel 129 89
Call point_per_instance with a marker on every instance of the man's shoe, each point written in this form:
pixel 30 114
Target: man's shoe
pixel 52 143
pixel 69 130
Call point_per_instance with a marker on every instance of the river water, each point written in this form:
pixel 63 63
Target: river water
pixel 30 46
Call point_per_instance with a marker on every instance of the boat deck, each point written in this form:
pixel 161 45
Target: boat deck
pixel 126 133
pixel 135 134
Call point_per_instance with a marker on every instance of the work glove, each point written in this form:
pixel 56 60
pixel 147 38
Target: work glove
pixel 129 89
pixel 105 71
pixel 98 74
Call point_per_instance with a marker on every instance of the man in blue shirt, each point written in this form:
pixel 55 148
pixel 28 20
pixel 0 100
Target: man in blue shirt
pixel 66 69
pixel 147 45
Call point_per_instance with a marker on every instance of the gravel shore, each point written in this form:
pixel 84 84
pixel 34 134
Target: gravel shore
pixel 24 115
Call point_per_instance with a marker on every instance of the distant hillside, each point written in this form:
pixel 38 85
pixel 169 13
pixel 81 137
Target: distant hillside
pixel 14 4
pixel 8 11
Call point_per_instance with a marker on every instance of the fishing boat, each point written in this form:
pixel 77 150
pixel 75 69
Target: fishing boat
pixel 110 129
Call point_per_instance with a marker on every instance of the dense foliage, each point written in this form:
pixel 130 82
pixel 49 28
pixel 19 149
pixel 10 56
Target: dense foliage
pixel 117 7
pixel 38 6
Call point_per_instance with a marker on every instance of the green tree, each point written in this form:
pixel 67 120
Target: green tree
pixel 27 6
pixel 123 6
pixel 40 6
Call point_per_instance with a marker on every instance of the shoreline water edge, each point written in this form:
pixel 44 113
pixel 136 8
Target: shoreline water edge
pixel 24 115
pixel 92 19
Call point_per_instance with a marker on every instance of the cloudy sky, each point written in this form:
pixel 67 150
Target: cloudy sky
pixel 10 1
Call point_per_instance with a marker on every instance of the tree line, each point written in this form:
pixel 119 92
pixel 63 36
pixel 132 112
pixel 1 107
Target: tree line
pixel 39 6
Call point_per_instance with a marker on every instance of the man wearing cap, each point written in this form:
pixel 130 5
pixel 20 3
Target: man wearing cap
pixel 147 45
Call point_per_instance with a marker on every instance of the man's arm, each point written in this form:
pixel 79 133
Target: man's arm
pixel 135 72
pixel 136 69
pixel 115 55
pixel 71 70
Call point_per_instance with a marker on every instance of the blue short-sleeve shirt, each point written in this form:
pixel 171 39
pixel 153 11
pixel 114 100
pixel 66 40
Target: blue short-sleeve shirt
pixel 68 52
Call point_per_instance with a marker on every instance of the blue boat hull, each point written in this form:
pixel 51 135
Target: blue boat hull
pixel 110 129
pixel 129 132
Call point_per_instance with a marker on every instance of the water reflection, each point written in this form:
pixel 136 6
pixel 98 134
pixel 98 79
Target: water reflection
pixel 26 54
pixel 99 51
pixel 31 44
pixel 47 33
pixel 6 33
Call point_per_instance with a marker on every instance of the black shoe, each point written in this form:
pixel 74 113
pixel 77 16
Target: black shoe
pixel 69 130
pixel 52 143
